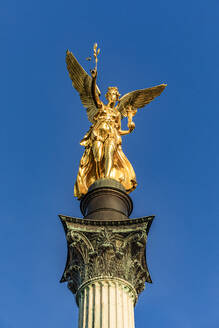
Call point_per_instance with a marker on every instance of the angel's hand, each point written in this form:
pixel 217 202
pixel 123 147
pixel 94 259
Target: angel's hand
pixel 93 73
pixel 131 126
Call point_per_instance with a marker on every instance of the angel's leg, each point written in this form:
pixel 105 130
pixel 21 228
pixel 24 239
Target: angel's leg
pixel 97 148
pixel 110 147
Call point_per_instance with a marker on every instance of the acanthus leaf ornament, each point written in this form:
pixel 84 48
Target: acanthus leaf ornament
pixel 109 251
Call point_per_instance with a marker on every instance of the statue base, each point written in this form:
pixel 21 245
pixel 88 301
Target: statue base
pixel 106 200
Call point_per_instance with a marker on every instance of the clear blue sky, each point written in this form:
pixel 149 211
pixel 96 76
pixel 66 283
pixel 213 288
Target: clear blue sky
pixel 174 151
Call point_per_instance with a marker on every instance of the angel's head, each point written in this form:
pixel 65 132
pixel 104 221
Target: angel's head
pixel 112 94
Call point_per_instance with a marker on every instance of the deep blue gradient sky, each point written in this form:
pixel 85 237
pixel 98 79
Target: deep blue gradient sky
pixel 174 151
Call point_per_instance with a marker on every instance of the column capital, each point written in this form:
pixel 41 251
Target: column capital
pixel 106 249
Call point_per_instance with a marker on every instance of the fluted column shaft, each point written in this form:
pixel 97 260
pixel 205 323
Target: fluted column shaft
pixel 106 303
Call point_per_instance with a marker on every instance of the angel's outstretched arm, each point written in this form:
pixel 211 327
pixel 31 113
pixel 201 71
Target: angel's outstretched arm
pixel 131 126
pixel 94 88
pixel 124 132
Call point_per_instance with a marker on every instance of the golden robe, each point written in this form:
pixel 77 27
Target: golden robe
pixel 106 126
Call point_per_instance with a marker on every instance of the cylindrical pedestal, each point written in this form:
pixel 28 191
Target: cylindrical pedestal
pixel 106 200
pixel 106 303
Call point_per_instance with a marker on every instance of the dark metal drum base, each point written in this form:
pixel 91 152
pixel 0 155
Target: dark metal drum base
pixel 106 200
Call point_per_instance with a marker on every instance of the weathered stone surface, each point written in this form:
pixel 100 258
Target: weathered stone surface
pixel 113 249
pixel 106 303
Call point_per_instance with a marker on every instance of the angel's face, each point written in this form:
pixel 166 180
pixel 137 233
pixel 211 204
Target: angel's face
pixel 112 94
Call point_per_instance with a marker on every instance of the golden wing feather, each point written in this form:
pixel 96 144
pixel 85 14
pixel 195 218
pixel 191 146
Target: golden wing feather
pixel 139 98
pixel 81 81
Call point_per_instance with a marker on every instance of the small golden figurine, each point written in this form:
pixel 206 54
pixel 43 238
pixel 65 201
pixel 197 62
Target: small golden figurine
pixel 103 156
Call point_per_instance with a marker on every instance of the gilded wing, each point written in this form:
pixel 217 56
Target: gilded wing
pixel 81 81
pixel 139 98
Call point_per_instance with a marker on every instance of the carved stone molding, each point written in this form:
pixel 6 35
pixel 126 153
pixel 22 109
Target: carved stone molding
pixel 106 249
pixel 127 287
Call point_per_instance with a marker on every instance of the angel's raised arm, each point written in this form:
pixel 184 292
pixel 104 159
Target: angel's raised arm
pixel 95 94
pixel 83 83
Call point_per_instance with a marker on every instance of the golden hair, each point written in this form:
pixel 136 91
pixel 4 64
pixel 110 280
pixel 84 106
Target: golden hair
pixel 111 89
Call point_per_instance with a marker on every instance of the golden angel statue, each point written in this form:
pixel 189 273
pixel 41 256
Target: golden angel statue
pixel 103 156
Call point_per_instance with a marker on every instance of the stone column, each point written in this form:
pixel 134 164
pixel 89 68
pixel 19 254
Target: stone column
pixel 106 264
pixel 106 303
